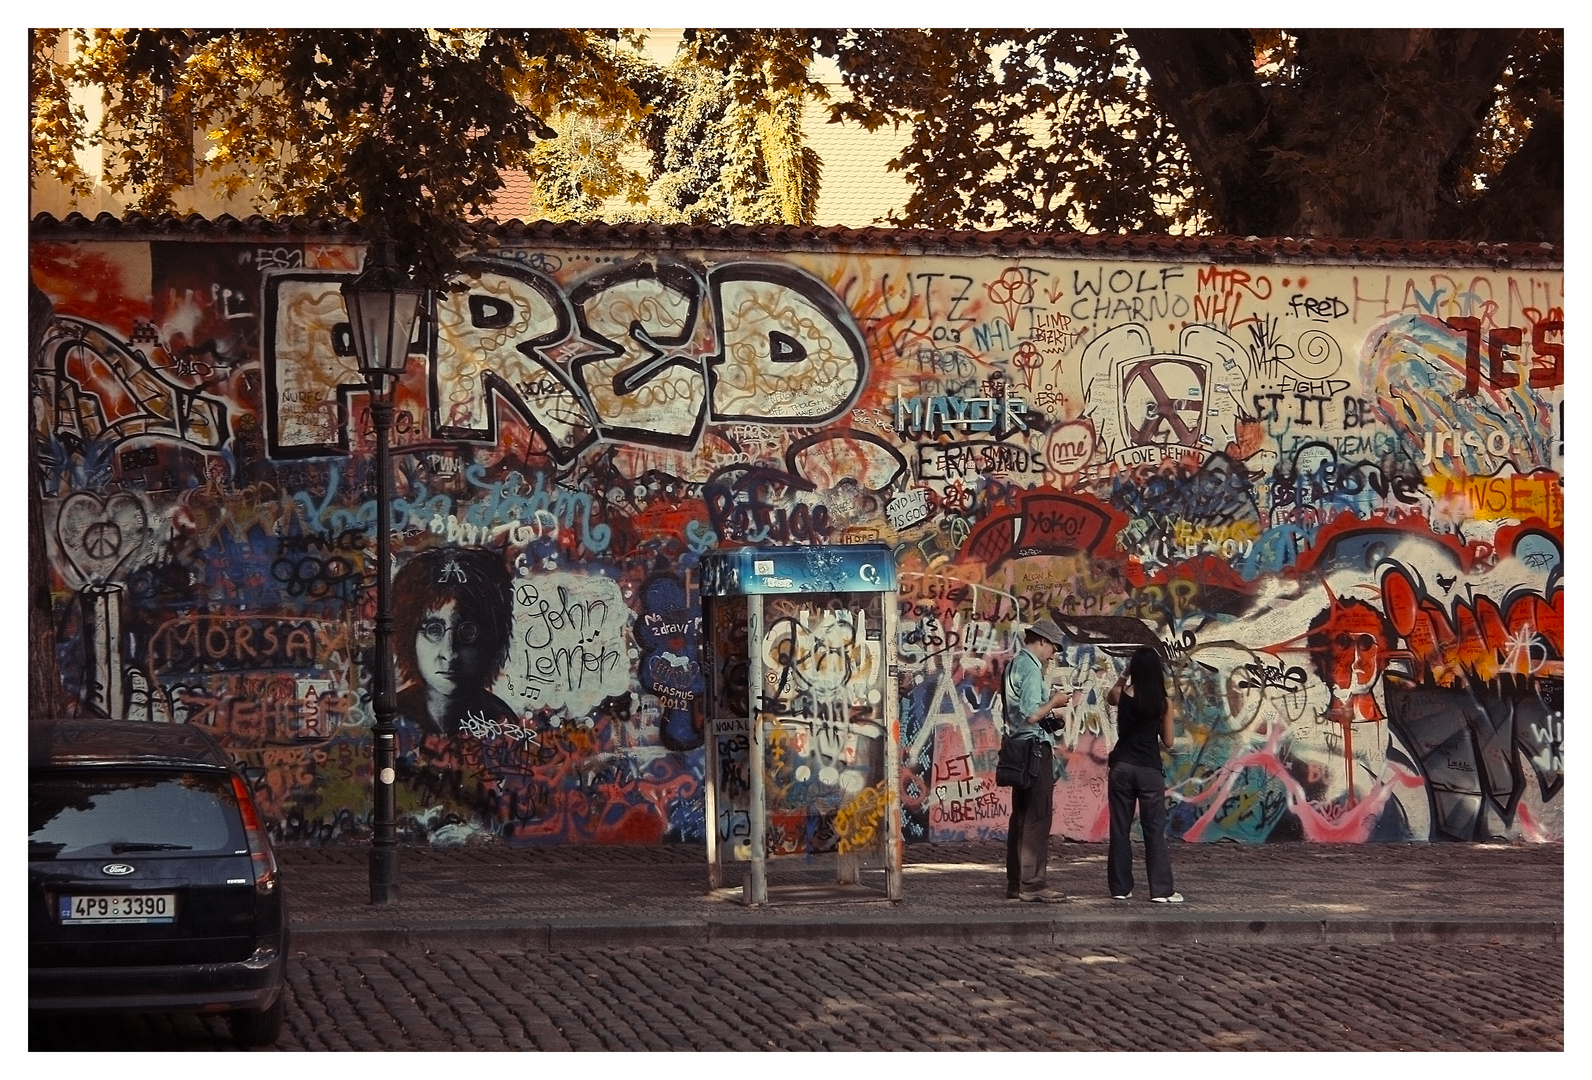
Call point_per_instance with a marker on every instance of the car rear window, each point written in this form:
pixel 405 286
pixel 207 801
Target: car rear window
pixel 93 812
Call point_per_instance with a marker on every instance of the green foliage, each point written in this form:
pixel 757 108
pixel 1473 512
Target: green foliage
pixel 592 163
pixel 409 129
pixel 55 128
pixel 720 157
pixel 579 174
pixel 1392 133
pixel 1045 129
pixel 1399 133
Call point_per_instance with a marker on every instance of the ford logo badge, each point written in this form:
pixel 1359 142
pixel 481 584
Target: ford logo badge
pixel 116 869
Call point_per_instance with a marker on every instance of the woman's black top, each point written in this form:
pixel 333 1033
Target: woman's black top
pixel 1138 735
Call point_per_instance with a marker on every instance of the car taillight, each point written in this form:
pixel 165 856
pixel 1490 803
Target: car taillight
pixel 259 850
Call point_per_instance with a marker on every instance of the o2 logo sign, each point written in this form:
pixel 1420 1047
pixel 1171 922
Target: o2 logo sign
pixel 646 352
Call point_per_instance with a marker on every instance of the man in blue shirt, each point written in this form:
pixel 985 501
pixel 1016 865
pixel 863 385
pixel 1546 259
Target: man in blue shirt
pixel 1027 713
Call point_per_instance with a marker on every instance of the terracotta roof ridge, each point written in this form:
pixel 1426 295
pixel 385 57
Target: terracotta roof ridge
pixel 808 237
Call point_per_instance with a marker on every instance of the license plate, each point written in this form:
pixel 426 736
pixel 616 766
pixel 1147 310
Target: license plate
pixel 126 908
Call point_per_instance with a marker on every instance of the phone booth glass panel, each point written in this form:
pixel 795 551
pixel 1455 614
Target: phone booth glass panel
pixel 804 752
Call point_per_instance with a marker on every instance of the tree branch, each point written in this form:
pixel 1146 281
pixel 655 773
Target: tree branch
pixel 1526 199
pixel 1204 80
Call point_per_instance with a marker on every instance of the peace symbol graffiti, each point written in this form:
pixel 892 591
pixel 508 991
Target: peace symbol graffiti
pixel 1151 414
pixel 102 540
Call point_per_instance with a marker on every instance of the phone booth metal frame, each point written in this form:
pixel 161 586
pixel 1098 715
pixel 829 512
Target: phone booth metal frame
pixel 803 728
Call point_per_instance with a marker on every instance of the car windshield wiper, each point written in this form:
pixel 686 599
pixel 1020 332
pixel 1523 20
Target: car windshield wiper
pixel 117 849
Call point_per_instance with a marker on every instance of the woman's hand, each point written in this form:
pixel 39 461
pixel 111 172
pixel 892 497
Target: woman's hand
pixel 1115 693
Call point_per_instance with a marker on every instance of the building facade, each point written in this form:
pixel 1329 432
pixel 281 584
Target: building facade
pixel 1323 478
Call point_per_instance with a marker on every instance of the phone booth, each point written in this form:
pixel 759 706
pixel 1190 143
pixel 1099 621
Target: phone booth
pixel 803 740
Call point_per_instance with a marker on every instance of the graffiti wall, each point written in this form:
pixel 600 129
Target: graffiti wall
pixel 1330 493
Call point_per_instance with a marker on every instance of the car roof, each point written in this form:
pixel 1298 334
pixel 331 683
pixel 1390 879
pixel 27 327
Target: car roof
pixel 56 742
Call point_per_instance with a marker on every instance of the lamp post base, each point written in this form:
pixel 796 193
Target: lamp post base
pixel 383 874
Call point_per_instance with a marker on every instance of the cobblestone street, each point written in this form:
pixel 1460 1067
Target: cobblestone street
pixel 804 996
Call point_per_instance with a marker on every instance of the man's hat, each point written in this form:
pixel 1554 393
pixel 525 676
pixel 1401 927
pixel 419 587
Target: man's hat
pixel 1049 631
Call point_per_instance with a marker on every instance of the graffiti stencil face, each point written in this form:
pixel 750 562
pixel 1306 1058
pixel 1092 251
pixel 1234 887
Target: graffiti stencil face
pixel 1149 404
pixel 1329 492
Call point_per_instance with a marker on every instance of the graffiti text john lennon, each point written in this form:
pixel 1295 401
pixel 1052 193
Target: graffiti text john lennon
pixel 624 354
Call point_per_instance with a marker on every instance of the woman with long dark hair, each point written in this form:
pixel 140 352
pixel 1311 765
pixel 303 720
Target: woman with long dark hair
pixel 1143 715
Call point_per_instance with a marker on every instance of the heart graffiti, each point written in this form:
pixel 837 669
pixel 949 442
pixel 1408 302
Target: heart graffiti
pixel 98 536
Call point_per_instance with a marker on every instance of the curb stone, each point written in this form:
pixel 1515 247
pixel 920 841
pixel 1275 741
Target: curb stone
pixel 565 934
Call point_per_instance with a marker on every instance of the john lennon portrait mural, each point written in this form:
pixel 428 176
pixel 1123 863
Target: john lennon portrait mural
pixel 1329 491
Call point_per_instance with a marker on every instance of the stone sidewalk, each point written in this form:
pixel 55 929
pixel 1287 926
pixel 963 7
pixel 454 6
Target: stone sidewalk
pixel 571 897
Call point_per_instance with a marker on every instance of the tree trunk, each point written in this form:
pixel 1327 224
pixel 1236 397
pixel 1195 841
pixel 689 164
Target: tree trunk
pixel 1357 144
pixel 1376 118
pixel 45 695
pixel 1205 81
pixel 1526 199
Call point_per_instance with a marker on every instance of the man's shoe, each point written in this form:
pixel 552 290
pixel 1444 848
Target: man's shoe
pixel 1045 896
pixel 1013 894
pixel 1175 898
pixel 1122 896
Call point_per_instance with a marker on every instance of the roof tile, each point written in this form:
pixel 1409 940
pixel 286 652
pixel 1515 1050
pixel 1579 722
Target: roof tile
pixel 656 236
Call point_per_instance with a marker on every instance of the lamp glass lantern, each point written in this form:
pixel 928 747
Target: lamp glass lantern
pixel 382 304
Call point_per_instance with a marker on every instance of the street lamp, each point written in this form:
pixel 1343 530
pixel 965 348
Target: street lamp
pixel 382 304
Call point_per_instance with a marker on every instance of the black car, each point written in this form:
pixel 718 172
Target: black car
pixel 152 886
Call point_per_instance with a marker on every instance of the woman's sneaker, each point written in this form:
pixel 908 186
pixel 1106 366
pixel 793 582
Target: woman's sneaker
pixel 1122 896
pixel 1175 898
